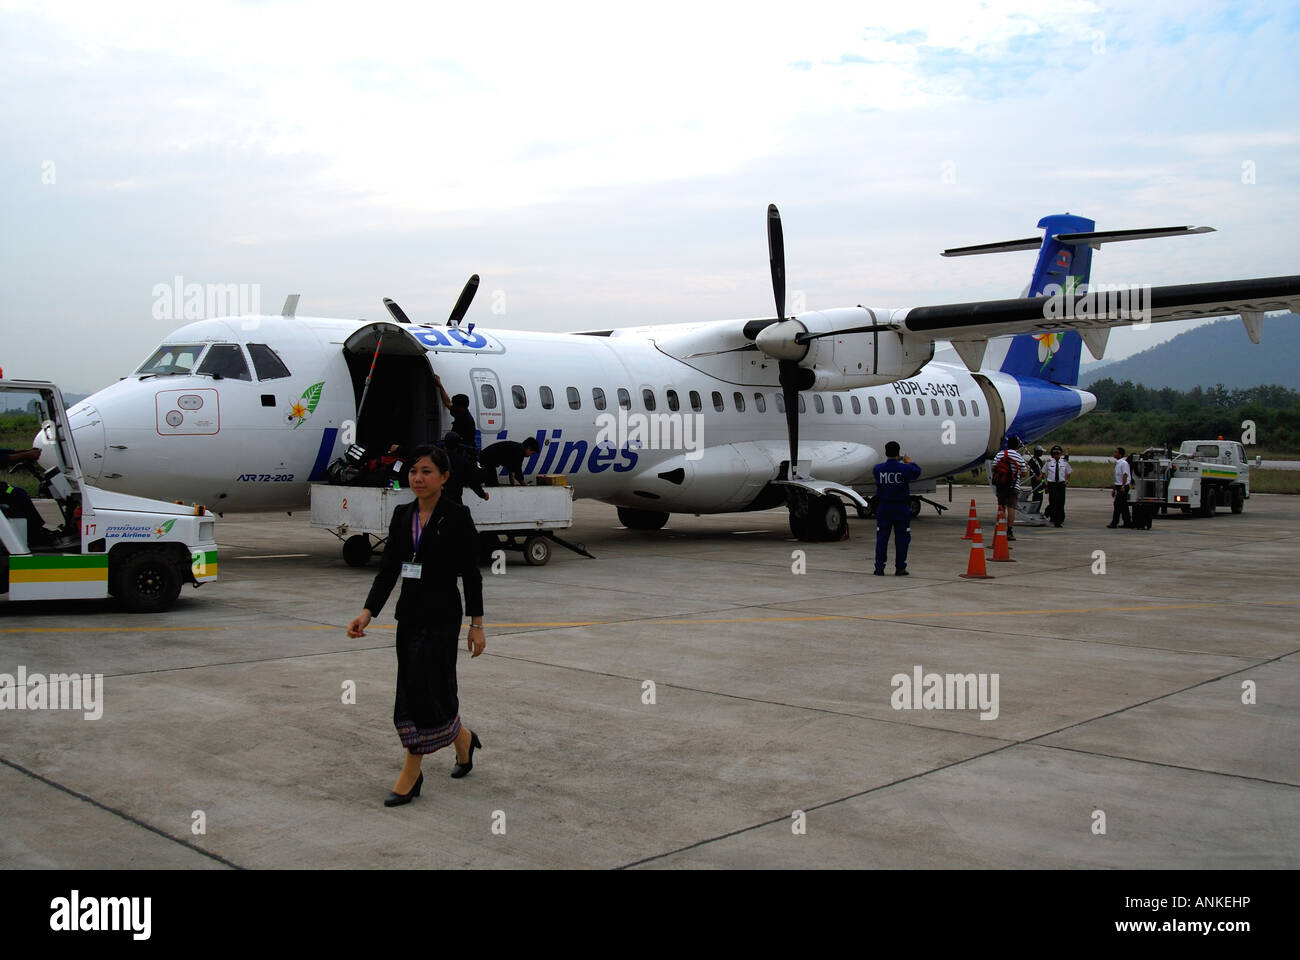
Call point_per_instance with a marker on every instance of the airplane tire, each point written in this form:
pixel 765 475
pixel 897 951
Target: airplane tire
pixel 829 518
pixel 536 551
pixel 915 505
pixel 148 582
pixel 641 519
pixel 357 550
pixel 1238 499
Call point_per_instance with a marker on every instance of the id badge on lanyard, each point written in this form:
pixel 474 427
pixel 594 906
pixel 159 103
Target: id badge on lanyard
pixel 412 570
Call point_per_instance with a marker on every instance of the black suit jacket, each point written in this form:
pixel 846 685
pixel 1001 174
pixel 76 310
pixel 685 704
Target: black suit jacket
pixel 448 549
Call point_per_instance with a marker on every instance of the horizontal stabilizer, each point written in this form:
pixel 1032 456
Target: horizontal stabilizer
pixel 1005 246
pixel 1097 238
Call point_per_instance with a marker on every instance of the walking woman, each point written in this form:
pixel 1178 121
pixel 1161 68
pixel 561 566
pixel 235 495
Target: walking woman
pixel 431 542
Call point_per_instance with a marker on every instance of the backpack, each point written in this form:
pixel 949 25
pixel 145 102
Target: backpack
pixel 1004 470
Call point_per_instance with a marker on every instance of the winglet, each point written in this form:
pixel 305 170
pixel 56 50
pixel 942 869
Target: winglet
pixel 290 307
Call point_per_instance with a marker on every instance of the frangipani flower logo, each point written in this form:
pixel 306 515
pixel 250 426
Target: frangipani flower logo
pixel 1048 344
pixel 303 408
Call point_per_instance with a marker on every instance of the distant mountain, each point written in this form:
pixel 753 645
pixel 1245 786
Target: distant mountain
pixel 1215 353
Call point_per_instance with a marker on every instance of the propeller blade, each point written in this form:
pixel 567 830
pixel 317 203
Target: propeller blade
pixel 776 256
pixel 462 305
pixel 789 376
pixel 398 313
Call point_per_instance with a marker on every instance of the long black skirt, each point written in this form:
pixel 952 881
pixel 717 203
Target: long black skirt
pixel 426 710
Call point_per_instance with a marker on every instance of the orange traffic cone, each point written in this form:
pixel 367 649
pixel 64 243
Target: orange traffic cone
pixel 1001 548
pixel 972 522
pixel 975 569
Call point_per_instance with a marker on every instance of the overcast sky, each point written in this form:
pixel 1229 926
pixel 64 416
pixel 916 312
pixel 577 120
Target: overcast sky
pixel 610 164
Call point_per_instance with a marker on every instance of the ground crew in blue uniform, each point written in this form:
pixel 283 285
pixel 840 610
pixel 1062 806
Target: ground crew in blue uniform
pixel 894 508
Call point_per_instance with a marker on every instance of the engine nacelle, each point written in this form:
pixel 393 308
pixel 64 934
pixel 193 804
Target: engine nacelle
pixel 849 360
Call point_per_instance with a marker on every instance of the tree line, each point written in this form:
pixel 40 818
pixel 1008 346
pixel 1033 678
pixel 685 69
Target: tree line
pixel 1138 416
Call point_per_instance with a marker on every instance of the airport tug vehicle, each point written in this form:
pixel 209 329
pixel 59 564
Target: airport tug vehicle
pixel 1200 476
pixel 137 550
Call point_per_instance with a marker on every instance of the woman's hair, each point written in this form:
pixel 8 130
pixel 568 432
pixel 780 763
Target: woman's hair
pixel 436 454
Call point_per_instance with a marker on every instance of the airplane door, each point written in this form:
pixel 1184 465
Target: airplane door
pixel 491 408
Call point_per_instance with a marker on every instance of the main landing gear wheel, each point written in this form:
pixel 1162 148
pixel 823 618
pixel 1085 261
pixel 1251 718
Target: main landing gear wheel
pixel 148 582
pixel 915 506
pixel 357 550
pixel 536 551
pixel 641 519
pixel 824 520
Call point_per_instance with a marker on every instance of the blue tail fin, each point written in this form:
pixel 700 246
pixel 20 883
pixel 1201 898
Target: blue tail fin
pixel 1061 268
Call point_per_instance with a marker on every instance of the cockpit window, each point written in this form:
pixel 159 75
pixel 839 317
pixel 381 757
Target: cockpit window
pixel 267 362
pixel 171 358
pixel 225 360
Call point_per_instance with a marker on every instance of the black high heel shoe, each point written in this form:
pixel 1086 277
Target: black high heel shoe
pixel 396 799
pixel 461 769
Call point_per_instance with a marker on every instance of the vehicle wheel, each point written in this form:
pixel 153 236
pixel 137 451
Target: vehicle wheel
pixel 915 504
pixel 800 527
pixel 641 519
pixel 357 550
pixel 1238 499
pixel 536 551
pixel 1208 493
pixel 148 582
pixel 1185 509
pixel 1164 511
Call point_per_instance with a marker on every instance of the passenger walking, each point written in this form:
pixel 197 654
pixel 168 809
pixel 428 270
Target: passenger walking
pixel 1056 472
pixel 894 508
pixel 1007 469
pixel 431 542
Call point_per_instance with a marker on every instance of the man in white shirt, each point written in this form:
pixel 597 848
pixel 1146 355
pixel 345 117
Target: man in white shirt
pixel 1056 473
pixel 1009 493
pixel 1119 492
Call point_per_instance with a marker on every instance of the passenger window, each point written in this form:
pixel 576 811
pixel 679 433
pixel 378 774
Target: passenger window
pixel 696 405
pixel 974 408
pixel 889 405
pixel 760 403
pixel 648 398
pixel 947 405
pixel 780 402
pixel 520 398
pixel 575 400
pixel 548 398
pixel 267 362
pixel 907 406
pixel 837 403
pixel 934 407
pixel 598 398
pixel 718 405
pixel 875 407
pixel 673 402
pixel 920 408
pixel 817 403
pixel 624 399
pixel 226 360
pixel 961 406
pixel 489 396
pixel 857 406
pixel 803 407
pixel 739 399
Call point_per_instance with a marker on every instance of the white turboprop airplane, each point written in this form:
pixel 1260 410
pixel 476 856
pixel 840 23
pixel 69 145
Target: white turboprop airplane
pixel 243 413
